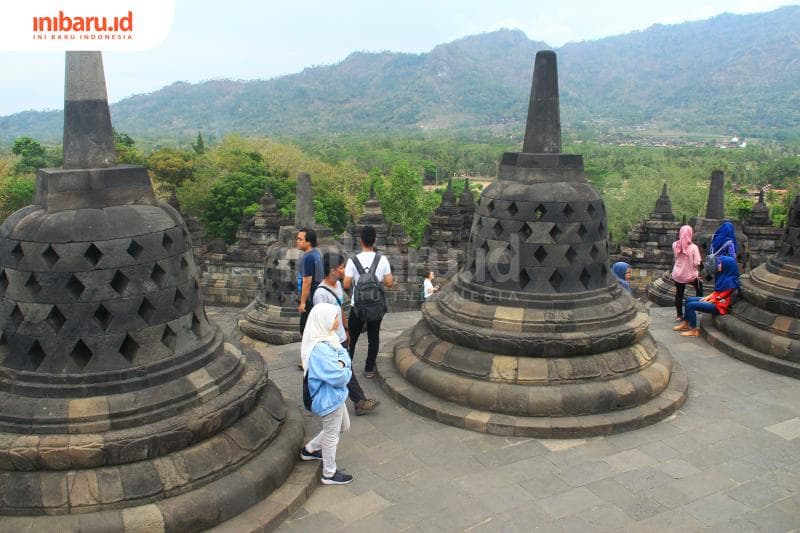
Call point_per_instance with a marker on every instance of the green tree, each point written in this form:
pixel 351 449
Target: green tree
pixel 33 155
pixel 16 192
pixel 126 150
pixel 171 166
pixel 230 200
pixel 405 202
pixel 199 146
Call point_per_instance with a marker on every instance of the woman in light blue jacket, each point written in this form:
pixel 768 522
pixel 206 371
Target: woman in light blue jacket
pixel 328 368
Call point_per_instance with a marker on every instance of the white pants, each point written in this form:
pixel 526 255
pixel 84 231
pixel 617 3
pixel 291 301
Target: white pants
pixel 326 440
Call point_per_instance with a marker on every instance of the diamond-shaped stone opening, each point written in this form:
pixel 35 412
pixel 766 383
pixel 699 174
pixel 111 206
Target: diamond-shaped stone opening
pixel 568 211
pixel 135 249
pixel 178 300
pixel 539 212
pixel 490 206
pixel 556 280
pixel 196 284
pixel 36 354
pixel 555 232
pixel 513 209
pixel 103 317
pixel 158 274
pixel 184 263
pixel 167 242
pixel 485 247
pixel 585 278
pixel 168 338
pixel 17 252
pixel 498 229
pixel 3 281
pixel 81 354
pixel 525 231
pixel 275 263
pixel 56 319
pixel 119 282
pixel 582 231
pixel 601 228
pixel 274 284
pixel 50 256
pixel 540 254
pixel 524 278
pixel 571 254
pixel 32 284
pixel 292 264
pixel 93 254
pixel 146 310
pixel 16 317
pixel 75 287
pixel 591 210
pixel 129 348
pixel 603 274
pixel 594 252
pixel 196 329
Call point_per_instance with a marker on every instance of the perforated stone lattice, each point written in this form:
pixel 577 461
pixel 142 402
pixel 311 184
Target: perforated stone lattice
pixel 548 246
pixel 63 304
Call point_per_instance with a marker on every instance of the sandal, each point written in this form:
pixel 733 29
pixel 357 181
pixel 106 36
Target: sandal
pixel 691 333
pixel 682 327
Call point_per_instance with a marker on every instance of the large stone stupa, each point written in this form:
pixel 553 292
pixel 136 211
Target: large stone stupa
pixel 534 337
pixel 763 325
pixel 123 406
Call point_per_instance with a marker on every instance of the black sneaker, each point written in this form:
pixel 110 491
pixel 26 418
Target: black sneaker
pixel 306 455
pixel 338 478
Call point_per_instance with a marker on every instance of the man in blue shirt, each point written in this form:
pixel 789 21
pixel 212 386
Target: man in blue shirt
pixel 309 274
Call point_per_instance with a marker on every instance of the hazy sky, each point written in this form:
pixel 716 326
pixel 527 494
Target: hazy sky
pixel 246 39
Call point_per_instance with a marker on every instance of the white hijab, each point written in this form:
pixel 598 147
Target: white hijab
pixel 319 328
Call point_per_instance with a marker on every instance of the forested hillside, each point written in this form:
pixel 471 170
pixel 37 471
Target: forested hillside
pixel 732 74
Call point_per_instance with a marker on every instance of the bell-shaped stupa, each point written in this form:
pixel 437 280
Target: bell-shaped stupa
pixel 534 337
pixel 123 406
pixel 763 324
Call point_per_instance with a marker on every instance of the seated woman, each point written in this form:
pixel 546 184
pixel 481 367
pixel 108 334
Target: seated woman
pixel 726 282
pixel 622 271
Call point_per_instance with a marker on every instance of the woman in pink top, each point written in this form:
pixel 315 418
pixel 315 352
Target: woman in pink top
pixel 687 267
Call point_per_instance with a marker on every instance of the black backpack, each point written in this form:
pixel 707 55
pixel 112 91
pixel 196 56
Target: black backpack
pixel 369 295
pixel 307 399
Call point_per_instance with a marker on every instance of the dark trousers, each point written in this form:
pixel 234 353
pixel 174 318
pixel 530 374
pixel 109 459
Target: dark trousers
pixel 373 339
pixel 693 304
pixel 680 289
pixel 354 390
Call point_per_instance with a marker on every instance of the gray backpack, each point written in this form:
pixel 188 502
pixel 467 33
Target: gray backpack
pixel 369 295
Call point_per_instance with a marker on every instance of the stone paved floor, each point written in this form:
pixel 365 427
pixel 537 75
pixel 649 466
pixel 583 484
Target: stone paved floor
pixel 729 460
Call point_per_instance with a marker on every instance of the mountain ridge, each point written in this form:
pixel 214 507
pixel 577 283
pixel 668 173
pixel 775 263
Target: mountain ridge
pixel 737 74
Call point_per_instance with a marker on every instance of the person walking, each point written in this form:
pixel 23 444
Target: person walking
pixel 686 269
pixel 726 282
pixel 328 369
pixel 309 274
pixel 330 291
pixel 367 313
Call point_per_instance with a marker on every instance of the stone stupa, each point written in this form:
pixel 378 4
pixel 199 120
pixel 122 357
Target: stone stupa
pixel 273 316
pixel 764 237
pixel 763 325
pixel 650 251
pixel 123 406
pixel 534 337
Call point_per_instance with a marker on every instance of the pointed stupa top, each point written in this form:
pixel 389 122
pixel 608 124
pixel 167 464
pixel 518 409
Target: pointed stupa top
pixel 543 128
pixel 789 251
pixel 715 207
pixel 466 201
pixel 449 197
pixel 663 210
pixel 373 212
pixel 304 207
pixel 759 216
pixel 88 138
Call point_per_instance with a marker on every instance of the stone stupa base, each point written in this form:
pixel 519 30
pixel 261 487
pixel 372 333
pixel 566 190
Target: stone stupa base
pixel 246 464
pixel 393 382
pixel 270 323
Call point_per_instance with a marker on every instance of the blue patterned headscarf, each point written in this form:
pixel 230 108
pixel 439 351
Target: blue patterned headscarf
pixel 620 268
pixel 728 277
pixel 725 233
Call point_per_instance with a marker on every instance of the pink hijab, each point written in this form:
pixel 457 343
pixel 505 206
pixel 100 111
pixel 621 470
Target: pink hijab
pixel 684 239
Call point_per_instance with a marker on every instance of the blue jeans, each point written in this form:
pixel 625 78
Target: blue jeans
pixel 693 304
